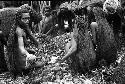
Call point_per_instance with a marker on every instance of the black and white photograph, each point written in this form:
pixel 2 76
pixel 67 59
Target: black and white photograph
pixel 62 42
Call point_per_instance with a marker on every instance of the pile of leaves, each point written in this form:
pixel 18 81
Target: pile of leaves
pixel 59 74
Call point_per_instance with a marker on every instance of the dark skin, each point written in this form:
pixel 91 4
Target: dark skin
pixel 47 21
pixel 35 17
pixel 28 33
pixel 71 47
pixel 21 34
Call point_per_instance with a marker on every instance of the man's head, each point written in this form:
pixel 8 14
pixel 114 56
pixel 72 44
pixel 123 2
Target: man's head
pixel 25 18
pixel 47 11
pixel 65 20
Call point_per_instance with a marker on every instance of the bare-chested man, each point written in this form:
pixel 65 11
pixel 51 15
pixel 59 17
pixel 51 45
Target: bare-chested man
pixel 21 32
pixel 47 20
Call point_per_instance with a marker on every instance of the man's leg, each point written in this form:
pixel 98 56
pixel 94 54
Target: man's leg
pixel 94 27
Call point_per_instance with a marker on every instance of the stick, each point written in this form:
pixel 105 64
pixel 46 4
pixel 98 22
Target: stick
pixel 45 3
pixel 49 3
pixel 31 4
pixel 39 5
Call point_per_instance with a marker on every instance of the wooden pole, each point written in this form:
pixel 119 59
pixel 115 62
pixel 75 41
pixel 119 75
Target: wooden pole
pixel 31 4
pixel 39 6
pixel 42 7
pixel 49 3
pixel 120 2
pixel 45 3
pixel 41 22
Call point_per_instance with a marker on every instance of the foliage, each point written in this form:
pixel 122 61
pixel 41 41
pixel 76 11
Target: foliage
pixel 59 74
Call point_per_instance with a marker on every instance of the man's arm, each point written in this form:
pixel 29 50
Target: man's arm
pixel 20 42
pixel 72 49
pixel 28 32
pixel 73 43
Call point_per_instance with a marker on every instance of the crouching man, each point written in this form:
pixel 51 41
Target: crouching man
pixel 23 56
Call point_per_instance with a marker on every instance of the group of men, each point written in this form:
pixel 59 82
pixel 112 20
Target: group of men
pixel 23 30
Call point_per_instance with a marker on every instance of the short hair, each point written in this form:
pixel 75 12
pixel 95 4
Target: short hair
pixel 19 16
pixel 47 7
pixel 19 13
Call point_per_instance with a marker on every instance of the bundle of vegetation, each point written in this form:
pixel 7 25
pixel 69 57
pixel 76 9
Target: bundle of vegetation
pixel 106 44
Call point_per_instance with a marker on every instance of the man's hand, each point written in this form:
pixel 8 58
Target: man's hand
pixel 30 57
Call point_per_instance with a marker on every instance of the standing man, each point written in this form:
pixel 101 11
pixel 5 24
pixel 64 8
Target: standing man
pixel 47 20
